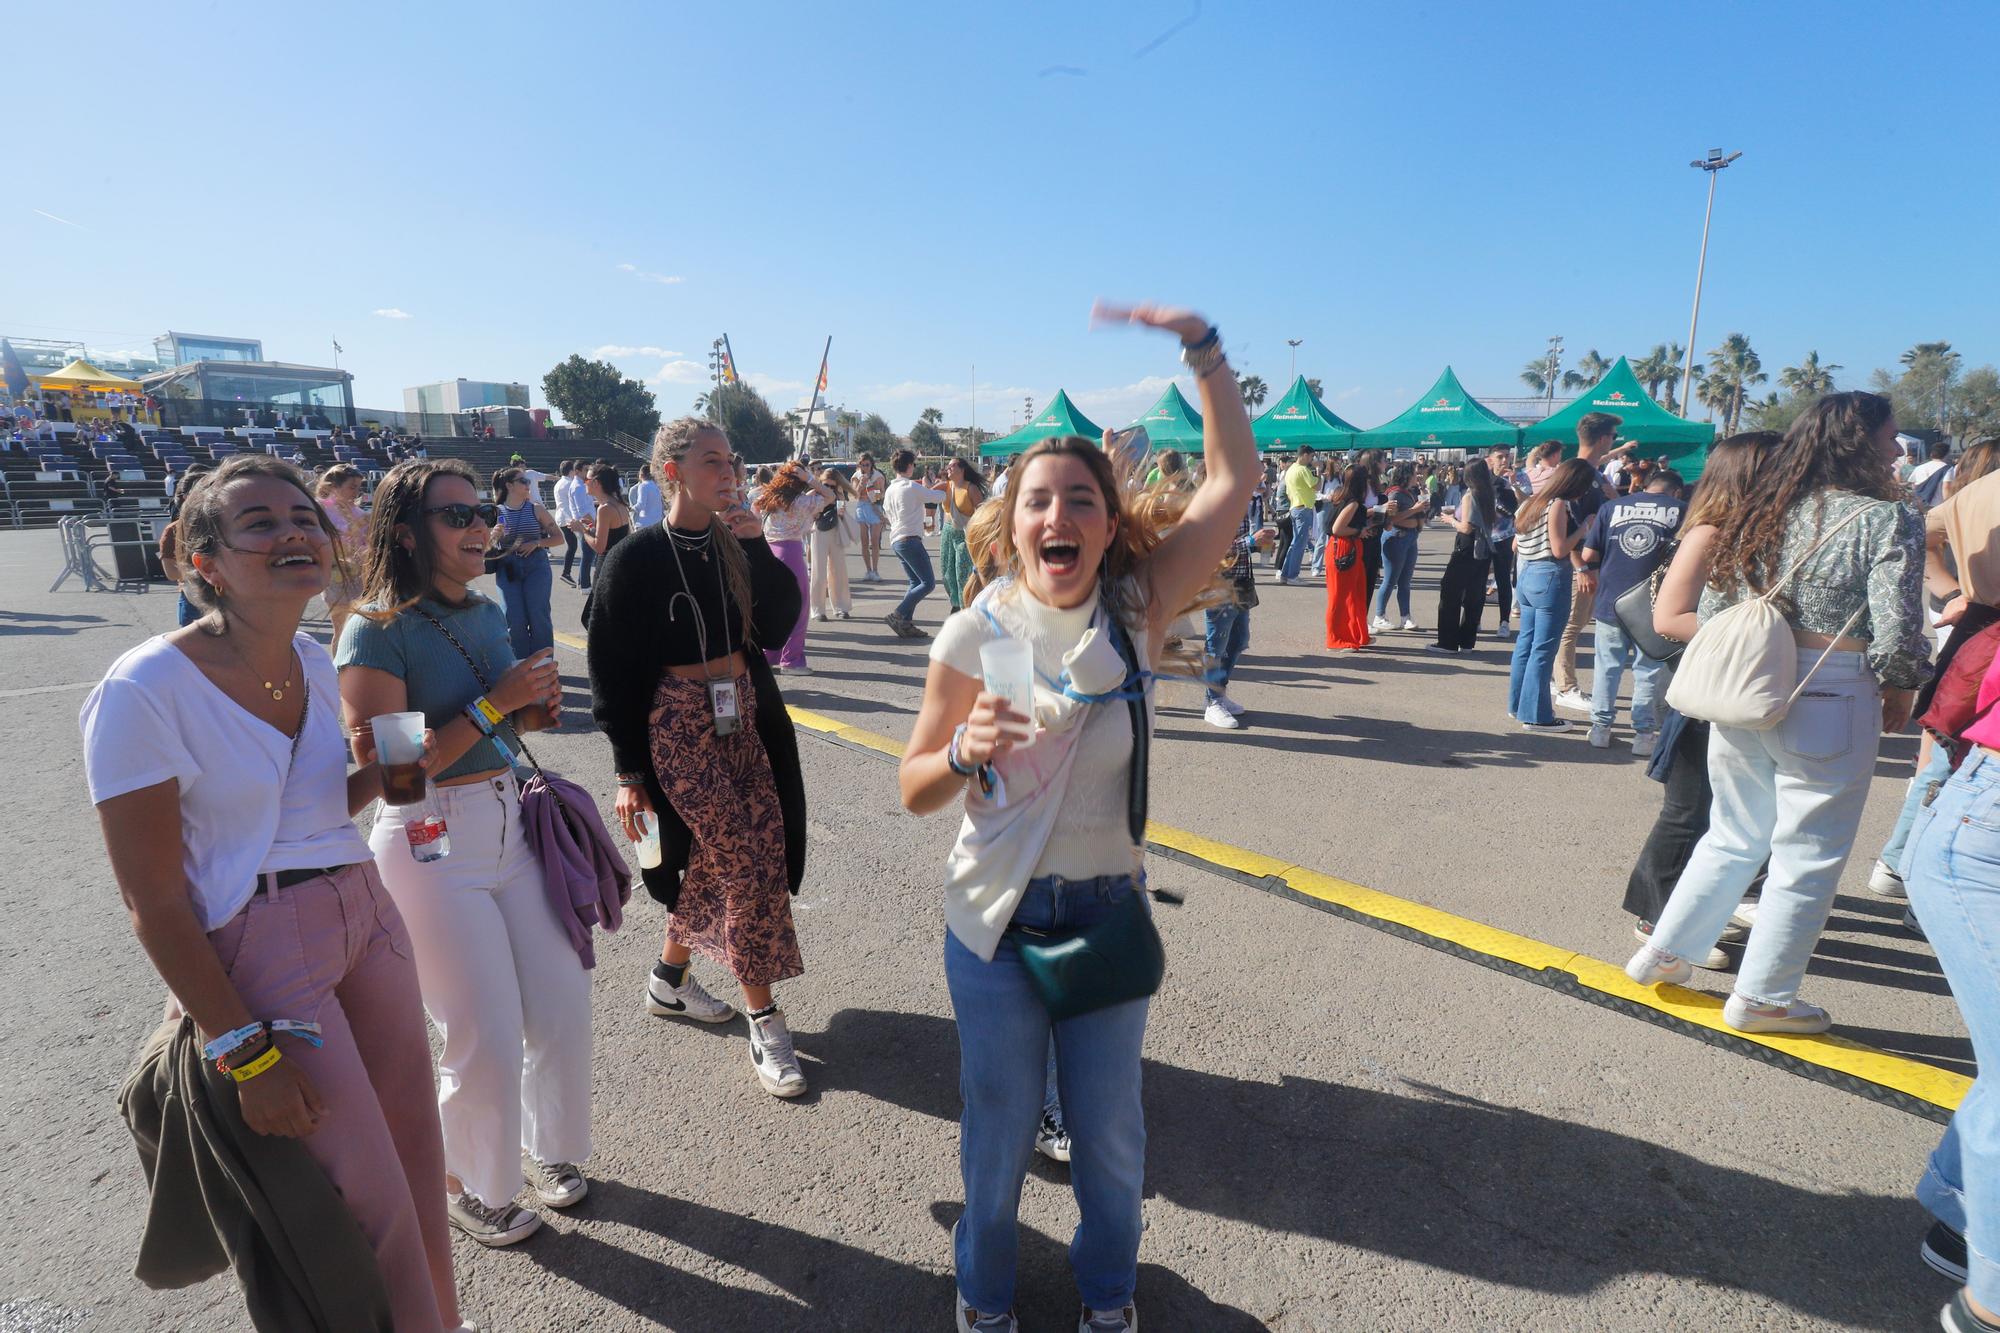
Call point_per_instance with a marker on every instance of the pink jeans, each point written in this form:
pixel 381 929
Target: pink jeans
pixel 793 654
pixel 333 951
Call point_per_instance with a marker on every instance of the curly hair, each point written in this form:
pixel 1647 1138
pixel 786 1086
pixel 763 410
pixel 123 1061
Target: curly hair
pixel 1830 447
pixel 671 443
pixel 1728 476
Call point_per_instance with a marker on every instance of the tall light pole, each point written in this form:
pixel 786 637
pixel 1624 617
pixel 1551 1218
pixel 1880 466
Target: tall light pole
pixel 1713 165
pixel 1555 360
pixel 1293 343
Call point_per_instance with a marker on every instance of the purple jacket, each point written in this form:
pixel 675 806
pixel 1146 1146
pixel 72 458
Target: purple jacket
pixel 582 869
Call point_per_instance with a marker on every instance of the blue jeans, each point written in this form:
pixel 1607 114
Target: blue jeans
pixel 1954 880
pixel 1616 651
pixel 1543 594
pixel 524 589
pixel 1792 794
pixel 1399 565
pixel 1003 1042
pixel 185 613
pixel 1302 540
pixel 1226 634
pixel 1322 521
pixel 916 558
pixel 1933 774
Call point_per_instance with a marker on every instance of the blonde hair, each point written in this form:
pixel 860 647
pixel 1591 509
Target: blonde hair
pixel 334 478
pixel 671 443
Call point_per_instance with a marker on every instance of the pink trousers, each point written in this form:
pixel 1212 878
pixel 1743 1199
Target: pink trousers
pixel 333 951
pixel 793 654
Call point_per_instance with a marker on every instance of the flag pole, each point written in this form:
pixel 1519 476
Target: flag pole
pixel 805 434
pixel 730 352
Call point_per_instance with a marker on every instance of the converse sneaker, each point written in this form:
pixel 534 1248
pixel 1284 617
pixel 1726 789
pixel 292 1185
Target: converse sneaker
pixel 1600 736
pixel 1886 883
pixel 556 1184
pixel 772 1056
pixel 1218 716
pixel 1574 701
pixel 1556 727
pixel 1740 1014
pixel 687 1000
pixel 1716 961
pixel 493 1227
pixel 1052 1140
pixel 975 1321
pixel 1642 744
pixel 1944 1252
pixel 1125 1319
pixel 1656 967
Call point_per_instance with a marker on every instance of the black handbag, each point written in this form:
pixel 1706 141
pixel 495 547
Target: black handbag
pixel 1119 958
pixel 1634 608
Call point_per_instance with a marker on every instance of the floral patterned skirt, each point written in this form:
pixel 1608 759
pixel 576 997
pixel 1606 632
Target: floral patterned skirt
pixel 734 906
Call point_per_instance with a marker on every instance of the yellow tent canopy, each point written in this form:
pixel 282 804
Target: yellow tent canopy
pixel 80 374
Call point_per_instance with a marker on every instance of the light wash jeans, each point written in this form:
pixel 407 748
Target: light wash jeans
pixel 1322 522
pixel 1226 633
pixel 1795 794
pixel 1934 774
pixel 1543 592
pixel 1614 652
pixel 1399 566
pixel 1302 543
pixel 1954 879
pixel 1003 1041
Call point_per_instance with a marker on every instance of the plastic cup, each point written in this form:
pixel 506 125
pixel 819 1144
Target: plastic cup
pixel 1008 666
pixel 648 842
pixel 399 737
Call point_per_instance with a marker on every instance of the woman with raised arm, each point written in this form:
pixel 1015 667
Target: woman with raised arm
pixel 789 506
pixel 1051 842
pixel 216 760
pixel 703 744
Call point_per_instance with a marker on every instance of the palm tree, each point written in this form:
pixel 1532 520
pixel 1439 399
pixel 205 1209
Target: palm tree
pixel 1540 374
pixel 1670 371
pixel 1931 369
pixel 1732 369
pixel 1312 386
pixel 1810 378
pixel 1590 368
pixel 932 415
pixel 1253 389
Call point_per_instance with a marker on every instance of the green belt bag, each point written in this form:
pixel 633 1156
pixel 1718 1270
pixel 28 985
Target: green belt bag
pixel 1119 958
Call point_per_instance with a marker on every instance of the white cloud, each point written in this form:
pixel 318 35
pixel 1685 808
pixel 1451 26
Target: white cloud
pixel 776 390
pixel 619 352
pixel 665 279
pixel 390 312
pixel 1345 394
pixel 681 371
pixel 1123 403
pixel 53 218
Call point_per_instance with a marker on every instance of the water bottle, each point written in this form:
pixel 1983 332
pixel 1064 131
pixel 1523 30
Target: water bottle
pixel 430 838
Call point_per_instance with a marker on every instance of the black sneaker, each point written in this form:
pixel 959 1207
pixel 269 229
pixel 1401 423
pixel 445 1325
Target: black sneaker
pixel 1944 1252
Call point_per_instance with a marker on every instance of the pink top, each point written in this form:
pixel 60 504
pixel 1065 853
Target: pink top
pixel 794 524
pixel 1986 731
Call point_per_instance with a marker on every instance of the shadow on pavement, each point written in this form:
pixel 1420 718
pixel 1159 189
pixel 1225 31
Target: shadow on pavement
pixel 22 623
pixel 1490 1192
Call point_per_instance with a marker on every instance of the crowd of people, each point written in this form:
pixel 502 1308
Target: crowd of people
pixel 230 757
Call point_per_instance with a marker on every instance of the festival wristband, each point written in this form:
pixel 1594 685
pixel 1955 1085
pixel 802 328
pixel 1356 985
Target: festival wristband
pixel 951 759
pixel 257 1066
pixel 631 779
pixel 230 1041
pixel 293 1027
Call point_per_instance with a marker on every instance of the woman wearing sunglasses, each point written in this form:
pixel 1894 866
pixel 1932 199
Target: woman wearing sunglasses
pixel 500 979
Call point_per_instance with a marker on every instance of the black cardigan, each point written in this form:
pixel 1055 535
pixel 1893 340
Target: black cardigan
pixel 631 641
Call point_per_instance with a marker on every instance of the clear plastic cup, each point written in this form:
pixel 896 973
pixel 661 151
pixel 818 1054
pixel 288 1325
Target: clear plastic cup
pixel 399 749
pixel 648 842
pixel 1008 666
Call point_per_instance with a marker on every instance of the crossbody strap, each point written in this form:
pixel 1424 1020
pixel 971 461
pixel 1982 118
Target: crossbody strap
pixel 1142 739
pixel 484 684
pixel 1813 550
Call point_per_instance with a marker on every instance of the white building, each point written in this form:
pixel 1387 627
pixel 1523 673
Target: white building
pixel 450 397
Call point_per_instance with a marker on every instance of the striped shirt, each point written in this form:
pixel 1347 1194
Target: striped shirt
pixel 1533 543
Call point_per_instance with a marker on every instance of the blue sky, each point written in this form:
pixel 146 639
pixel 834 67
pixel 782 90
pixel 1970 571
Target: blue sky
pixel 482 190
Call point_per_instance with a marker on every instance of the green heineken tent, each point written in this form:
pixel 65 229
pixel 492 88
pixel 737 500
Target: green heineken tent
pixel 1060 417
pixel 1171 423
pixel 1300 419
pixel 1659 432
pixel 1445 418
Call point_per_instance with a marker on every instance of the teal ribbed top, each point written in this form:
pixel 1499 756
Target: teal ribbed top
pixel 440 683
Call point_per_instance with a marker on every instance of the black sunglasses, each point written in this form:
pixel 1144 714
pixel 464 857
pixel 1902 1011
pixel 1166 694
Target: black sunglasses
pixel 462 515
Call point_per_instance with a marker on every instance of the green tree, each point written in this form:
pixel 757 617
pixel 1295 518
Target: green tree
pixel 1776 411
pixel 1590 369
pixel 755 431
pixel 1975 404
pixel 1670 373
pixel 1253 389
pixel 1810 378
pixel 875 436
pixel 597 398
pixel 924 436
pixel 1926 385
pixel 1540 374
pixel 1313 386
pixel 1733 370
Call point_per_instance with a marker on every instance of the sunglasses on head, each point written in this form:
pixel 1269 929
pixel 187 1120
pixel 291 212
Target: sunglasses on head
pixel 462 515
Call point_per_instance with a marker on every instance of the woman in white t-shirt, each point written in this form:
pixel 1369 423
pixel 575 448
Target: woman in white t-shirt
pixel 219 771
pixel 1047 846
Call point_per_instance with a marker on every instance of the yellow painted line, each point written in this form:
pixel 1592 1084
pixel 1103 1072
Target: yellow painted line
pixel 1940 1088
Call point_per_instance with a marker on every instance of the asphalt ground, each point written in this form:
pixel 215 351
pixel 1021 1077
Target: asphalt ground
pixel 1347 1130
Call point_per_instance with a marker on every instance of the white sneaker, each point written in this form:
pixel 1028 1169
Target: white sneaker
pixel 1378 626
pixel 1218 716
pixel 813 615
pixel 1409 624
pixel 1574 701
pixel 976 1321
pixel 1886 883
pixel 1600 736
pixel 1125 1319
pixel 508 1224
pixel 1553 728
pixel 1717 960
pixel 1052 1140
pixel 1643 743
pixel 1229 703
pixel 1745 914
pixel 1654 967
pixel 688 1000
pixel 1739 1014
pixel 772 1056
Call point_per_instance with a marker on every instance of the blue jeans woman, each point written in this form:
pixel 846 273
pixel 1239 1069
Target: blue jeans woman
pixel 525 581
pixel 1543 593
pixel 1399 566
